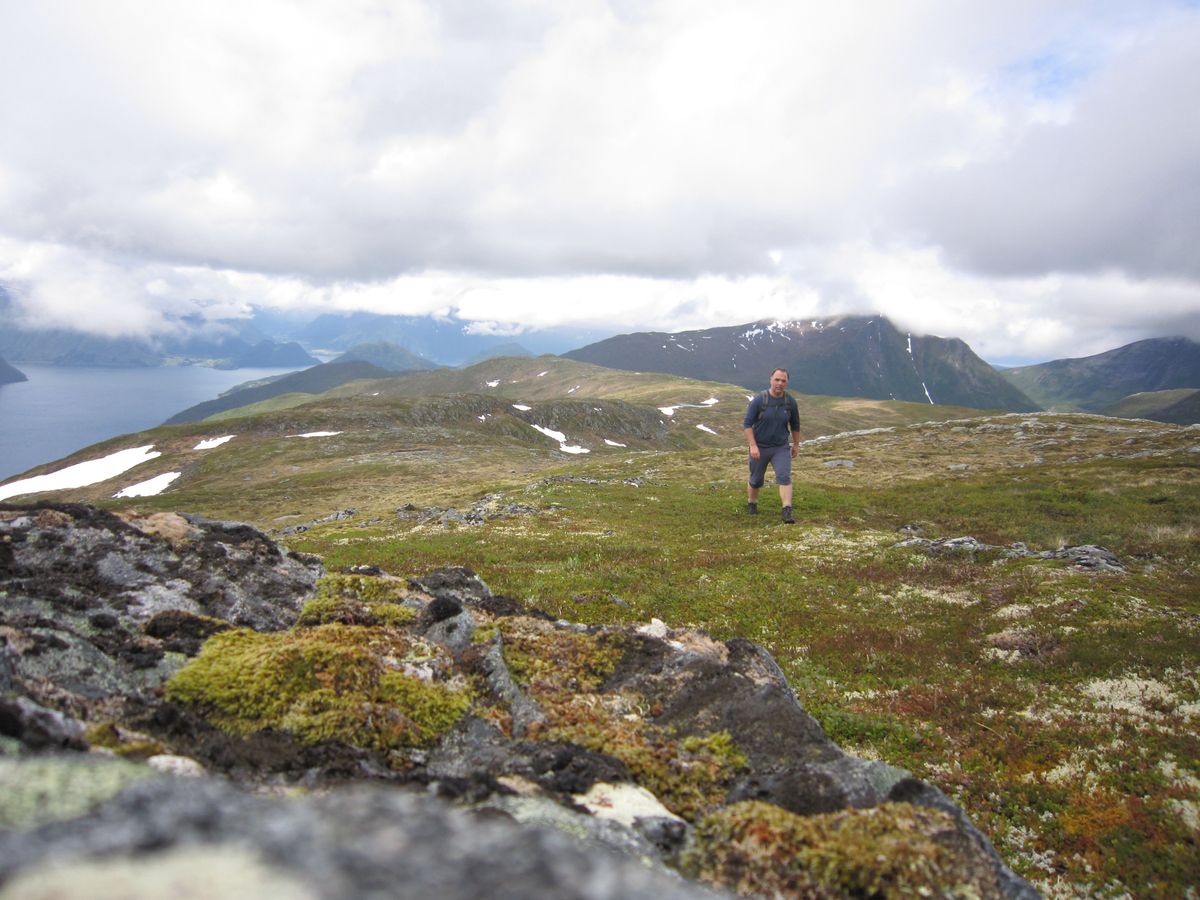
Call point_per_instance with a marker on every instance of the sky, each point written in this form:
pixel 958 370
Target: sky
pixel 1021 175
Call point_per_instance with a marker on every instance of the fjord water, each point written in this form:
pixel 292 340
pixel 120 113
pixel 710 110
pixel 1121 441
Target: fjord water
pixel 59 410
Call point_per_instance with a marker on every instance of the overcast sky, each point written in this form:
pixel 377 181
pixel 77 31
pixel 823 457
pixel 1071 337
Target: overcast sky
pixel 1024 175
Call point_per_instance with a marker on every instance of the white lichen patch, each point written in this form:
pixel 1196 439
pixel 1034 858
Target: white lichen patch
pixel 1188 813
pixel 1013 611
pixel 1177 777
pixel 1005 656
pixel 861 695
pixel 833 545
pixel 1132 694
pixel 906 594
pixel 623 803
pixel 1076 770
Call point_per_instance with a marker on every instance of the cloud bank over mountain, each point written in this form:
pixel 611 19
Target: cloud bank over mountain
pixel 1025 177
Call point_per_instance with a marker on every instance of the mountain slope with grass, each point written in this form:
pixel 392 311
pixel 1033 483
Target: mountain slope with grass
pixel 1092 383
pixel 315 380
pixel 846 356
pixel 1004 605
pixel 1181 406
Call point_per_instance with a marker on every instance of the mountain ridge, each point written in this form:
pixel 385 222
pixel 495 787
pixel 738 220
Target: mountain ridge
pixel 314 380
pixel 387 355
pixel 848 356
pixel 1091 383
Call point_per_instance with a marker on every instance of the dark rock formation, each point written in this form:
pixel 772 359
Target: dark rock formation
pixel 659 744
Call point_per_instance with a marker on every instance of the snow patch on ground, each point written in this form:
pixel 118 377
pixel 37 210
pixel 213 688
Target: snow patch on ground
pixel 522 407
pixel 308 434
pixel 551 433
pixel 82 474
pixel 562 440
pixel 209 443
pixel 706 428
pixel 150 487
pixel 614 443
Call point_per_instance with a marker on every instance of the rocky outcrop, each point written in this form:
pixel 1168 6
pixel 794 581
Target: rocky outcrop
pixel 173 637
pixel 98 610
pixel 1085 556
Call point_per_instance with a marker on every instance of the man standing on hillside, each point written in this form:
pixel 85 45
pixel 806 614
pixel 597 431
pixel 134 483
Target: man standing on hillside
pixel 769 418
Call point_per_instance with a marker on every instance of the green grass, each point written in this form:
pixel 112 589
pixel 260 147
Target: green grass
pixel 987 677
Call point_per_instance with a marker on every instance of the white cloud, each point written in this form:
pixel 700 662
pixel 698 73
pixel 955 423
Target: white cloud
pixel 970 169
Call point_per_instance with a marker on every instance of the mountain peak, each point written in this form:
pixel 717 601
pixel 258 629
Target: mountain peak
pixel 844 355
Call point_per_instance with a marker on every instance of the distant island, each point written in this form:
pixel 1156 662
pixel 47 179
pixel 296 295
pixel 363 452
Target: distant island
pixel 10 375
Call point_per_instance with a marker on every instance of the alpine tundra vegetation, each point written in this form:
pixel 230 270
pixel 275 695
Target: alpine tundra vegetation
pixel 1004 606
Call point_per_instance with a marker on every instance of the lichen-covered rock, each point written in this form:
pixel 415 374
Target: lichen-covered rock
pixel 98 608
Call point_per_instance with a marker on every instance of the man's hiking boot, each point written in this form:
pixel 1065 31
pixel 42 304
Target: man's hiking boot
pixel 787 516
pixel 752 509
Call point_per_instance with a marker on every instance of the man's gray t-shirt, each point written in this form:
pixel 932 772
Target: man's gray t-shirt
pixel 771 428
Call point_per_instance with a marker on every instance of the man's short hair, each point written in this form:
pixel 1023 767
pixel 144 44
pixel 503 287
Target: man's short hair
pixel 780 369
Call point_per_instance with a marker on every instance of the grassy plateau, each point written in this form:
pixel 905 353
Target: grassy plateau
pixel 1058 704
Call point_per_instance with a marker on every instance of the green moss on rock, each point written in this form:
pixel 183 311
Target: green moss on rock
pixel 357 600
pixel 892 850
pixel 541 655
pixel 129 744
pixel 564 670
pixel 368 687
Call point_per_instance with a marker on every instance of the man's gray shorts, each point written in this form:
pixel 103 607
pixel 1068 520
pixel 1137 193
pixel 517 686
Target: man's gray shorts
pixel 780 459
